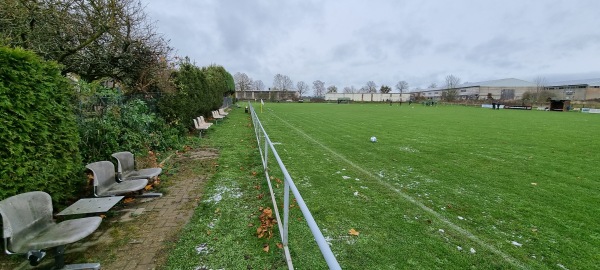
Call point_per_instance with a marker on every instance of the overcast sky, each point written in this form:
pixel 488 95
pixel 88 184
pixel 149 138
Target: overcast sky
pixel 350 42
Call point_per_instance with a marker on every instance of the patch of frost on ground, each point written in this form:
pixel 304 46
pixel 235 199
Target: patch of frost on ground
pixel 202 248
pixel 408 149
pixel 221 191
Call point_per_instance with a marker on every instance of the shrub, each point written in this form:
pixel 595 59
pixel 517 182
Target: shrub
pixel 107 125
pixel 38 133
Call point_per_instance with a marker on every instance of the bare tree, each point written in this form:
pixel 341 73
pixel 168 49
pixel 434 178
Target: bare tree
pixel 242 82
pixel 432 85
pixel 350 89
pixel 385 89
pixel 283 83
pixel 363 89
pixel 319 88
pixel 401 86
pixel 94 39
pixel 540 88
pixel 371 87
pixel 451 92
pixel 259 85
pixel 302 88
pixel 332 89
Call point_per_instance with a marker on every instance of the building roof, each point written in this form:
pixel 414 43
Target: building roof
pixel 508 82
pixel 590 82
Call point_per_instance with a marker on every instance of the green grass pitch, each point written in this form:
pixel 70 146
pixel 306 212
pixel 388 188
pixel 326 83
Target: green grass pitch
pixel 444 187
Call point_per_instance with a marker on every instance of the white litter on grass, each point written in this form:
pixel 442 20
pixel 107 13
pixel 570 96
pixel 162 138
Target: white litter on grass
pixel 441 230
pixel 346 177
pixel 355 193
pixel 515 243
pixel 472 250
pixel 338 172
pixel 202 248
pixel 356 179
pixel 363 187
pixel 461 218
pixel 459 248
pixel 276 143
pixel 562 266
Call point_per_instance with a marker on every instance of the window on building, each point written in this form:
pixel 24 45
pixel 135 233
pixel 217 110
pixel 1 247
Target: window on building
pixel 463 90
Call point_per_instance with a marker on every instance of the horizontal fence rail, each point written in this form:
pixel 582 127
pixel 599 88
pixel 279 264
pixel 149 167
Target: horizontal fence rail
pixel 264 144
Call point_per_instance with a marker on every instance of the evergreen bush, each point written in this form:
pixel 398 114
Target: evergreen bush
pixel 38 133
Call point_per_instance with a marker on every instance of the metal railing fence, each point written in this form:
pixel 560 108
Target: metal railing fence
pixel 264 144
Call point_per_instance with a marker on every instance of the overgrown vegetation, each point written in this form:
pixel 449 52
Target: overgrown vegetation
pixel 38 133
pixel 109 123
pixel 129 96
pixel 199 91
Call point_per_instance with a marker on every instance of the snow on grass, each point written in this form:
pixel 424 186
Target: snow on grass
pixel 202 248
pixel 224 192
pixel 408 149
pixel 517 244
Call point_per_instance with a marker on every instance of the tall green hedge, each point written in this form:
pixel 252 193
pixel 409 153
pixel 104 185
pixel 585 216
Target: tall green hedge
pixel 199 91
pixel 38 131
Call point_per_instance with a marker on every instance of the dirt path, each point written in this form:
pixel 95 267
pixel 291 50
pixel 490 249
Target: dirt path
pixel 137 235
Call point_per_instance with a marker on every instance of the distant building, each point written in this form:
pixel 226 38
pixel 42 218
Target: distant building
pixel 368 97
pixel 273 95
pixel 576 89
pixel 503 89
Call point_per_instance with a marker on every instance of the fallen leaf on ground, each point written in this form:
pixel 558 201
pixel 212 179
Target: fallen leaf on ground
pixel 148 187
pixel 128 200
pixel 250 224
pixel 279 245
pixel 353 232
pixel 534 184
pixel 266 247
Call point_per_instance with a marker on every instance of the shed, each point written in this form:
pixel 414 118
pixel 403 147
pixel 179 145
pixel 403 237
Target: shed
pixel 559 105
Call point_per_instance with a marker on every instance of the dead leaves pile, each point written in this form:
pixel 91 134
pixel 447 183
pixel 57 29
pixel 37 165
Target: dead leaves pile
pixel 266 223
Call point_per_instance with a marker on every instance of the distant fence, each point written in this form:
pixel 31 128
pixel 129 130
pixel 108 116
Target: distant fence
pixel 264 144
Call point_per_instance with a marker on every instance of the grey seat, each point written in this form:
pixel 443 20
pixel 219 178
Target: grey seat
pixel 126 168
pixel 28 228
pixel 105 183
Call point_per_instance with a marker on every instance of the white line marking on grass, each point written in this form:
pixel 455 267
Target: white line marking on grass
pixel 409 198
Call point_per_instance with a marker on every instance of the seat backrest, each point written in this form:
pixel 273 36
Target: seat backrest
pixel 25 213
pixel 201 119
pixel 104 175
pixel 196 124
pixel 125 162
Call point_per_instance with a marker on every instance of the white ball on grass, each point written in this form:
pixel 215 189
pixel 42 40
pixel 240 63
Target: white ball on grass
pixel 373 139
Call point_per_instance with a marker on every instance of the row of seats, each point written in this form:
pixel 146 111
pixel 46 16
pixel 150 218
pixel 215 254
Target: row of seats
pixel 201 125
pixel 28 224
